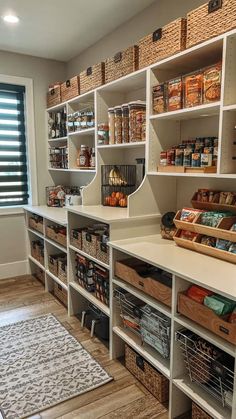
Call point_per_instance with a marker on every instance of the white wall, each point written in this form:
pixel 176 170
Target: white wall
pixel 42 72
pixel 153 17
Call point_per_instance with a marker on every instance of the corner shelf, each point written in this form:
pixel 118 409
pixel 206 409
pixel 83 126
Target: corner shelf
pixel 90 297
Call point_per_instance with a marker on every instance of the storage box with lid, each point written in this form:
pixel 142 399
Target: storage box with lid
pixel 209 20
pixel 92 78
pixel 155 382
pixel 121 64
pixel 70 89
pixel 54 95
pixel 162 43
pixel 61 294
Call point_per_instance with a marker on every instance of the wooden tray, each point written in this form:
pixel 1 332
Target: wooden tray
pixel 126 270
pixel 206 318
pixel 211 206
pixel 220 232
pixel 183 169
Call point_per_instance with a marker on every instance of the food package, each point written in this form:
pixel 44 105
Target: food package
pixel 187 235
pixel 232 248
pixel 197 293
pixel 220 305
pixel 212 83
pixel 222 244
pixel 159 98
pixel 174 94
pixel 189 214
pixel 193 89
pixel 208 241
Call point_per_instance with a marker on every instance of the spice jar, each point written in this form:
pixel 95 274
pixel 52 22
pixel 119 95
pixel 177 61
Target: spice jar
pixel 125 123
pixel 111 118
pixel 103 134
pixel 83 157
pixel 137 121
pixel 118 125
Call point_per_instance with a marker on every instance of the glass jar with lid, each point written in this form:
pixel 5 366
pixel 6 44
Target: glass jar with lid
pixel 118 124
pixel 137 121
pixel 111 118
pixel 125 122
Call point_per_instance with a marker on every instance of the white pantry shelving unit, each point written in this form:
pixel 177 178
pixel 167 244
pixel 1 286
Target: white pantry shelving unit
pixel 134 231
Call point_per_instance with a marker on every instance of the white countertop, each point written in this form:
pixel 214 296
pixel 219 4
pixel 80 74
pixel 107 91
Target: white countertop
pixel 206 271
pixel 58 215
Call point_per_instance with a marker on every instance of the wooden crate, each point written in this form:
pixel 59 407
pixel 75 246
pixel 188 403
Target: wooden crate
pixel 198 413
pixel 155 382
pixel 206 318
pixel 53 233
pixel 61 294
pixel 70 89
pixel 103 252
pixel 123 63
pixel 211 206
pixel 92 78
pixel 162 43
pixel 54 96
pixel 210 20
pixel 126 270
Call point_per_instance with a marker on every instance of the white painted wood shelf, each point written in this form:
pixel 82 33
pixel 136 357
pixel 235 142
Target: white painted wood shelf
pixel 90 297
pixel 80 252
pixel 56 279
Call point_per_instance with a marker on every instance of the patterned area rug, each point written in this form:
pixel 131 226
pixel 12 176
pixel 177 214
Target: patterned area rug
pixel 41 365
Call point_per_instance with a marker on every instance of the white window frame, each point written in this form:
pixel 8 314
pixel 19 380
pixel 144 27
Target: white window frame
pixel 30 142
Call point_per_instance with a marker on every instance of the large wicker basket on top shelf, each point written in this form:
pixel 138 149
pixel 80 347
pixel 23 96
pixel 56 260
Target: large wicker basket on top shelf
pixel 209 20
pixel 70 88
pixel 54 96
pixel 162 43
pixel 92 78
pixel 121 64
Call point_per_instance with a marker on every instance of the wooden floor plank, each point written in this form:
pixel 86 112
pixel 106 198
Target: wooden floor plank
pixel 24 298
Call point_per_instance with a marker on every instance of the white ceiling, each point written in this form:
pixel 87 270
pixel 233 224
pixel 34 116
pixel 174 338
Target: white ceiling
pixel 61 29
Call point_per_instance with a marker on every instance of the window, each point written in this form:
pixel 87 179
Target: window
pixel 13 158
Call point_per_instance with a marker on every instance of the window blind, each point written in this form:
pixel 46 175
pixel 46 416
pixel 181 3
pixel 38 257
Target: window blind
pixel 13 158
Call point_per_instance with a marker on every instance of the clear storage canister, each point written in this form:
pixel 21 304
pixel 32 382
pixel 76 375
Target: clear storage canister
pixel 118 125
pixel 111 118
pixel 125 122
pixel 137 121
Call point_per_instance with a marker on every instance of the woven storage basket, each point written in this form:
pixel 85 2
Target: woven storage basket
pixel 54 96
pixel 76 238
pixel 89 243
pixel 62 271
pixel 155 382
pixel 70 89
pixel 39 274
pixel 162 43
pixel 60 293
pixel 92 78
pixel 123 63
pixel 102 252
pixel 198 413
pixel 209 20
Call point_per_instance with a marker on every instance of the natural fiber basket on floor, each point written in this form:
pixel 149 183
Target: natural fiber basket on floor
pixel 92 78
pixel 209 20
pixel 70 89
pixel 198 413
pixel 54 96
pixel 123 63
pixel 61 294
pixel 162 43
pixel 155 382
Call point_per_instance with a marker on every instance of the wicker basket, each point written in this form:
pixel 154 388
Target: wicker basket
pixel 70 89
pixel 53 262
pixel 155 382
pixel 39 274
pixel 121 64
pixel 76 238
pixel 89 243
pixel 54 233
pixel 36 223
pixel 103 252
pixel 162 43
pixel 209 20
pixel 61 294
pixel 62 271
pixel 92 78
pixel 54 96
pixel 198 413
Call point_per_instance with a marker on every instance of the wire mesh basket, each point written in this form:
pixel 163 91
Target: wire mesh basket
pixel 207 366
pixel 117 183
pixel 152 326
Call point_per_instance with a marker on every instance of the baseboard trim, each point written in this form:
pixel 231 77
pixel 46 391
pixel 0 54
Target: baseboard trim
pixel 10 270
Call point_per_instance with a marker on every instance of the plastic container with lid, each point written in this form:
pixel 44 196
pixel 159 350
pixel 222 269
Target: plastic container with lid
pixel 118 124
pixel 125 122
pixel 111 118
pixel 137 121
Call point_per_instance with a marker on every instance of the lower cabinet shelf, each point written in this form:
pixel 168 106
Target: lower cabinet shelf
pixel 55 278
pixel 90 297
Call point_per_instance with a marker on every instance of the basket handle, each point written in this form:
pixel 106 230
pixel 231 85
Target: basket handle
pixel 89 71
pixel 214 5
pixel 157 35
pixel 140 362
pixel 67 83
pixel 118 57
